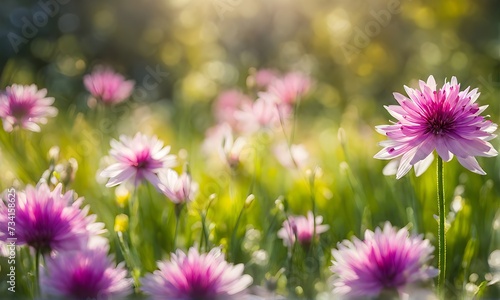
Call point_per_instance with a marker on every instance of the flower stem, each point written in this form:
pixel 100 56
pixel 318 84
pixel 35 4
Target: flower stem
pixel 37 273
pixel 441 227
pixel 178 211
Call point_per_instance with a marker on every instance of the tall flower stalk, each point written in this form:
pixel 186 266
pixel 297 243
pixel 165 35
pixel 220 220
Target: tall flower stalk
pixel 446 120
pixel 442 224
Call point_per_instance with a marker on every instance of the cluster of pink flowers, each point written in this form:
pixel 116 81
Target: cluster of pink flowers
pixel 239 117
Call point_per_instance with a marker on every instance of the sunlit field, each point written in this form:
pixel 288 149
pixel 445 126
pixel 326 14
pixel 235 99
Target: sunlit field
pixel 232 149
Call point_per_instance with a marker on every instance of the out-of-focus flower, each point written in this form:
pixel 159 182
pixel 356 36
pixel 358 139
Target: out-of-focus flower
pixel 264 113
pixel 49 220
pixel 231 149
pixel 87 274
pixel 121 223
pixel 387 260
pixel 196 276
pixel 264 77
pixel 220 141
pixel 179 189
pixel 302 228
pixel 290 87
pixel 108 86
pixel 139 158
pixel 227 104
pixel 24 106
pixel 294 157
pixel 446 120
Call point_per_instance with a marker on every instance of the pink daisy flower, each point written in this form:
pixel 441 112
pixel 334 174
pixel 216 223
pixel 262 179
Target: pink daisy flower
pixel 87 274
pixel 387 259
pixel 139 158
pixel 446 120
pixel 196 276
pixel 24 106
pixel 227 104
pixel 289 88
pixel 49 220
pixel 108 86
pixel 179 189
pixel 302 229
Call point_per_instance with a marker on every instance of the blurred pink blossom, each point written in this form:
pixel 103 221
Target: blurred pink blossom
pixel 179 189
pixel 301 228
pixel 24 106
pixel 108 86
pixel 227 104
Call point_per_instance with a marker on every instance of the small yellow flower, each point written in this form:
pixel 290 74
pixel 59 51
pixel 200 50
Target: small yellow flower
pixel 122 195
pixel 121 223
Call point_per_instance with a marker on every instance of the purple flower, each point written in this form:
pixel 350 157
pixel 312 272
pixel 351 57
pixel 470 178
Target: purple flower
pixel 25 106
pixel 139 158
pixel 386 260
pixel 302 228
pixel 227 103
pixel 87 274
pixel 196 276
pixel 49 220
pixel 179 189
pixel 446 120
pixel 108 86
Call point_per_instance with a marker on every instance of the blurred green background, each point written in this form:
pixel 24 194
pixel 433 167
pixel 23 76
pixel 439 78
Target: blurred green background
pixel 357 52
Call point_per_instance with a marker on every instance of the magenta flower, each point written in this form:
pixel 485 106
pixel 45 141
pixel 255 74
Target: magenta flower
pixel 87 274
pixel 446 120
pixel 386 260
pixel 24 106
pixel 302 228
pixel 196 276
pixel 49 220
pixel 179 189
pixel 139 158
pixel 290 87
pixel 108 86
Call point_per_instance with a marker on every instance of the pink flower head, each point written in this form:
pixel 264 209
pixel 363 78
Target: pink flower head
pixel 294 157
pixel 264 113
pixel 196 276
pixel 302 228
pixel 227 104
pixel 386 259
pixel 264 77
pixel 446 120
pixel 25 106
pixel 179 189
pixel 139 158
pixel 289 88
pixel 87 274
pixel 49 220
pixel 108 86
